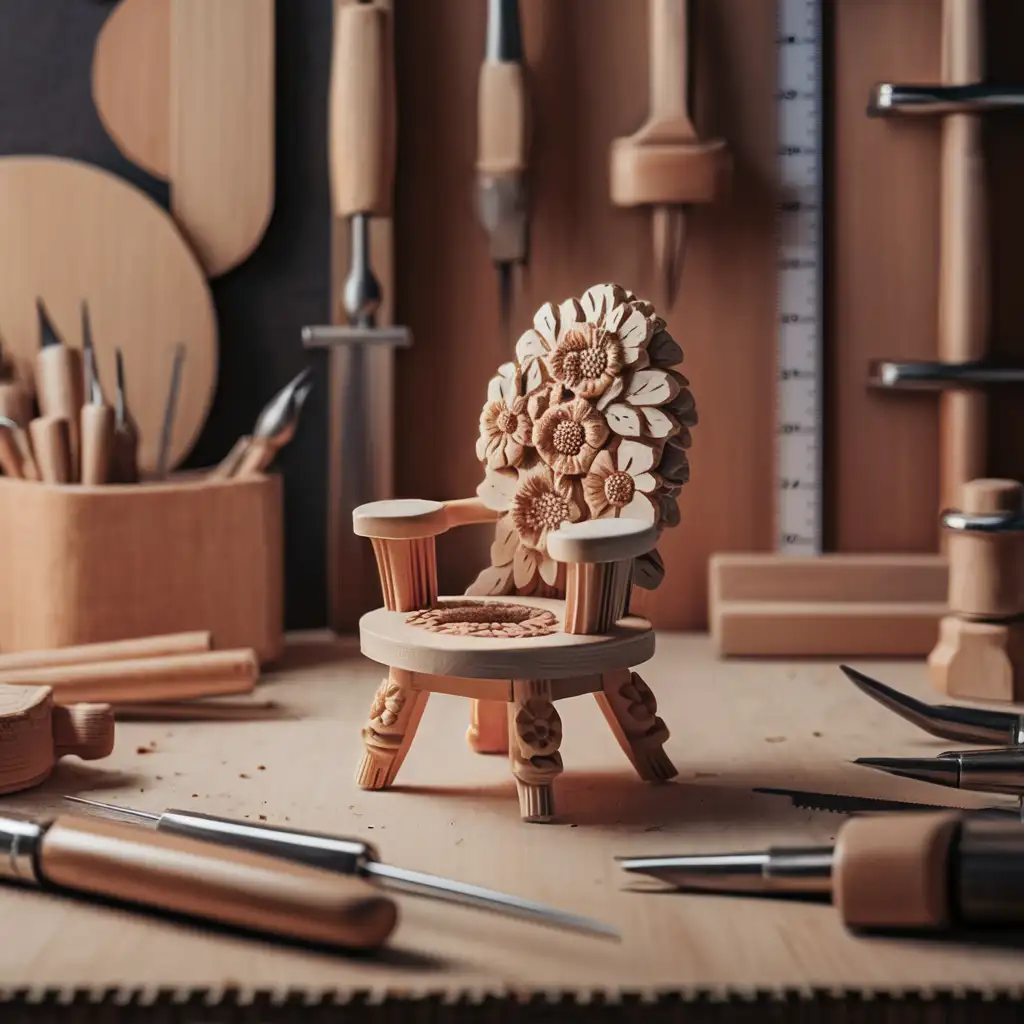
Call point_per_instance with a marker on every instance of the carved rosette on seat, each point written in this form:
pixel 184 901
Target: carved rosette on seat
pixel 584 440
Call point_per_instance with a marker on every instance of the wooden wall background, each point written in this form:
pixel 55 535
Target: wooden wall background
pixel 589 84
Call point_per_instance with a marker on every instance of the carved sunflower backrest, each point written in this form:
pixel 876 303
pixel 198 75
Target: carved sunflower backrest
pixel 590 420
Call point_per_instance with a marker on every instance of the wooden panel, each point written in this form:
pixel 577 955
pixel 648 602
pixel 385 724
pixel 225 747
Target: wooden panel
pixel 588 81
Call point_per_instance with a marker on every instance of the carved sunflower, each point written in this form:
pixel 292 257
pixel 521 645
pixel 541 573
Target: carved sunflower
pixel 505 423
pixel 568 437
pixel 621 483
pixel 539 727
pixel 541 503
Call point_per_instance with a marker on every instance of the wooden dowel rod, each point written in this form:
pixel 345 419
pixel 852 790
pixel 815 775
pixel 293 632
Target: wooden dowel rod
pixel 113 650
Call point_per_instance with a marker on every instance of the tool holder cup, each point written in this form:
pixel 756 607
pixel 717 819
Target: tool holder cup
pixel 980 652
pixel 90 564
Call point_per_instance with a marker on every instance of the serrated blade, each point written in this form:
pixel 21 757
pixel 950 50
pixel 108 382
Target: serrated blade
pixel 837 803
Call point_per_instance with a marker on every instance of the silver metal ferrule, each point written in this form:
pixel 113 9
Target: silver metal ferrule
pixel 938 376
pixel 982 522
pixel 19 841
pixel 889 98
pixel 988 872
pixel 993 771
pixel 503 209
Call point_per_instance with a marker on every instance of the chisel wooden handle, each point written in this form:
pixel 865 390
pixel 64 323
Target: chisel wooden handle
pixel 213 882
pixel 97 433
pixel 59 388
pixel 124 462
pixel 667 35
pixel 51 442
pixel 964 294
pixel 135 681
pixel 361 138
pixel 15 403
pixel 10 454
pixel 114 650
pixel 501 118
pixel 228 466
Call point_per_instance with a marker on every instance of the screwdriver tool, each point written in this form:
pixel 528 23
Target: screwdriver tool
pixel 125 463
pixel 948 721
pixel 502 143
pixel 350 857
pixel 240 888
pixel 58 379
pixel 97 421
pixel 664 164
pixel 362 167
pixel 929 871
pixel 170 411
pixel 275 427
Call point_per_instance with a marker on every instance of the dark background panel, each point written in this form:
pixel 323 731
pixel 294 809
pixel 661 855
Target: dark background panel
pixel 46 108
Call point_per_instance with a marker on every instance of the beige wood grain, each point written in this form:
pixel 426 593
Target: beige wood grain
pixel 115 650
pixel 51 443
pixel 97 443
pixel 109 563
pixel 146 292
pixel 222 126
pixel 59 385
pixel 735 726
pixel 131 81
pixel 234 887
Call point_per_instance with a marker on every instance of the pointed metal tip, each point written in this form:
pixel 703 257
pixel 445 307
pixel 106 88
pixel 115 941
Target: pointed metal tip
pixel 668 226
pixel 921 769
pixel 128 812
pixel 504 271
pixel 47 332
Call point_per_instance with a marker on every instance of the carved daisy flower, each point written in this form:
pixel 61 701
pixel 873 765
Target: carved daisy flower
pixel 568 437
pixel 505 423
pixel 539 726
pixel 622 483
pixel 542 502
pixel 587 360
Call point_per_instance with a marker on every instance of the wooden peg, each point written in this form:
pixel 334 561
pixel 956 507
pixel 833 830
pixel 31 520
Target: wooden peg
pixel 51 441
pixel 97 434
pixel 35 733
pixel 980 653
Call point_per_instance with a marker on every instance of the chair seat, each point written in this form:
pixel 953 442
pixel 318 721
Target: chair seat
pixel 388 638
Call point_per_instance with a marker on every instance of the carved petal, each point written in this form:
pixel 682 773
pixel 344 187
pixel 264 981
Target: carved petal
pixel 505 386
pixel 534 375
pixel 506 540
pixel 529 346
pixel 674 465
pixel 524 566
pixel 549 571
pixel 651 387
pixel 601 300
pixel 659 423
pixel 570 313
pixel 648 570
pixel 641 507
pixel 664 350
pixel 613 392
pixel 635 457
pixel 613 319
pixel 493 581
pixel 623 420
pixel 545 323
pixel 497 488
pixel 633 333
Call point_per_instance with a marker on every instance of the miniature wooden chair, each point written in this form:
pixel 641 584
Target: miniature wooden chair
pixel 584 438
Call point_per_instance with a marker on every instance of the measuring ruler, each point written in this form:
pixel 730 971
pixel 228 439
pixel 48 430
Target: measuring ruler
pixel 799 263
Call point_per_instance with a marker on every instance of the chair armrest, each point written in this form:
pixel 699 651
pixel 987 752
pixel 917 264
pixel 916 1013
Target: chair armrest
pixel 602 540
pixel 412 518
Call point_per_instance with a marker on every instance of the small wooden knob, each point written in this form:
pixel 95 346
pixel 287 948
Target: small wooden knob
pixel 86 730
pixel 986 556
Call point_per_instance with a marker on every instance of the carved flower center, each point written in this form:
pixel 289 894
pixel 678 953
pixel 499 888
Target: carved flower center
pixel 507 421
pixel 550 510
pixel 568 437
pixel 619 488
pixel 583 363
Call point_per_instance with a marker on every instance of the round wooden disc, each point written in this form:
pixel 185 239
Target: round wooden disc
pixel 72 232
pixel 386 637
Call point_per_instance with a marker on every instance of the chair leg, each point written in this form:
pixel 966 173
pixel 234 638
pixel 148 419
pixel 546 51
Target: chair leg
pixel 488 726
pixel 535 734
pixel 394 715
pixel 631 711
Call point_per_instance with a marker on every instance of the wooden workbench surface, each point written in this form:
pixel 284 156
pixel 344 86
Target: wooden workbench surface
pixel 734 726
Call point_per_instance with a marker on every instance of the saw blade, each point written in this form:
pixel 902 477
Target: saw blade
pixel 837 803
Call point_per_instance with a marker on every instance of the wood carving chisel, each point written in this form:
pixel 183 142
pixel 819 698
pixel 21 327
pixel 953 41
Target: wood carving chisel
pixel 502 143
pixel 51 442
pixel 125 462
pixel 665 165
pixel 350 857
pixel 1000 770
pixel 362 169
pixel 97 427
pixel 175 874
pixel 931 871
pixel 170 413
pixel 15 399
pixel 58 378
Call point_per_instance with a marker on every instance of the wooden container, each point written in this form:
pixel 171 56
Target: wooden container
pixel 89 564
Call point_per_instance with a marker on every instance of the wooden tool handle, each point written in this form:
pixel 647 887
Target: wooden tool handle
pixel 216 883
pixel 668 45
pixel 964 292
pixel 15 403
pixel 501 118
pixel 51 441
pixel 86 730
pixel 124 462
pixel 10 454
pixel 228 466
pixel 114 650
pixel 175 677
pixel 59 388
pixel 257 457
pixel 97 426
pixel 362 111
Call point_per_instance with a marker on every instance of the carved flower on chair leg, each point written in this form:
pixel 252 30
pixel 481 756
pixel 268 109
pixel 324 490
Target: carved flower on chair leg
pixel 621 483
pixel 541 503
pixel 387 703
pixel 569 436
pixel 642 704
pixel 539 727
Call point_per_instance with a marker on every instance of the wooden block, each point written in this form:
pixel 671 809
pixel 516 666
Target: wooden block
pixel 831 606
pixel 979 660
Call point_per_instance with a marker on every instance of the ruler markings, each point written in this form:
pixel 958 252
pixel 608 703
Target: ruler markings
pixel 799 268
